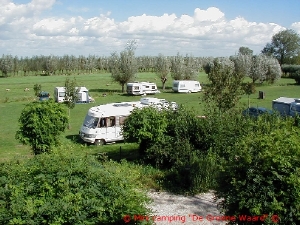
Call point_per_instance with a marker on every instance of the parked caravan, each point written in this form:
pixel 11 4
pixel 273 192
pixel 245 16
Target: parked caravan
pixel 83 94
pixel 141 88
pixel 103 123
pixel 186 86
pixel 287 106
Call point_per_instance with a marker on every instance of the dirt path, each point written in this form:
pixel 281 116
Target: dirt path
pixel 177 209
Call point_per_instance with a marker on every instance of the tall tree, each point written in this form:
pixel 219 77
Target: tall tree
pixel 245 51
pixel 123 67
pixel 162 68
pixel 40 125
pixel 177 67
pixel 6 64
pixel 225 86
pixel 284 46
pixel 259 68
pixel 71 94
pixel 191 68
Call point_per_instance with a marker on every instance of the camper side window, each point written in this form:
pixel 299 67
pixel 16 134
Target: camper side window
pixel 136 88
pixel 102 122
pixel 153 87
pixel 61 94
pixel 111 121
pixel 122 120
pixel 182 85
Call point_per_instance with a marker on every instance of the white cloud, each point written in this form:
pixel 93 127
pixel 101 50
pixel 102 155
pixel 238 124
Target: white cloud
pixel 296 27
pixel 25 31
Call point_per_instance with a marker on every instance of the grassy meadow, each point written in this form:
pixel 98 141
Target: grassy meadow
pixel 13 101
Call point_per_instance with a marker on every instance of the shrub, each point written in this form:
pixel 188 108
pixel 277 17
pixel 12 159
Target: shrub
pixel 61 188
pixel 261 175
pixel 40 125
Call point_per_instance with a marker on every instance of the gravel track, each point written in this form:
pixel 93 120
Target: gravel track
pixel 173 209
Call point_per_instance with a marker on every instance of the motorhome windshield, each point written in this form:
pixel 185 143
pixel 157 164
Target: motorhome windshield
pixel 90 121
pixel 296 108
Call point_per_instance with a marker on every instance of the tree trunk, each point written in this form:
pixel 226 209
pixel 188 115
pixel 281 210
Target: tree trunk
pixel 123 88
pixel 164 85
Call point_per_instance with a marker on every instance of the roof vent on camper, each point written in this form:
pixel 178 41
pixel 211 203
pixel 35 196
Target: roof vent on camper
pixel 297 100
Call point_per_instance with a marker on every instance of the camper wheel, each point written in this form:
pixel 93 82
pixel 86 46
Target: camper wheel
pixel 99 142
pixel 189 92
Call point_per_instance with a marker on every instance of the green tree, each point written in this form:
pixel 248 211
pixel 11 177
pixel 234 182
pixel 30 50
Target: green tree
pixel 162 69
pixel 71 96
pixel 225 86
pixel 245 51
pixel 259 68
pixel 40 125
pixel 6 64
pixel 64 188
pixel 177 67
pixel 284 46
pixel 123 67
pixel 249 89
pixel 145 126
pixel 37 89
pixel 261 174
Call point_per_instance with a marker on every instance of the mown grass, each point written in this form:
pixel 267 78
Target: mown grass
pixel 12 102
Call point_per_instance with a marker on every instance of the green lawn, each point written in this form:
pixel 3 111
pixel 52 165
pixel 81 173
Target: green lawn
pixel 12 102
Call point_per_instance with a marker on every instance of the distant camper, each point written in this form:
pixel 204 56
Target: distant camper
pixel 186 86
pixel 83 94
pixel 142 88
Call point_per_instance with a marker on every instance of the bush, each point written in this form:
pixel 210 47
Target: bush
pixel 261 174
pixel 40 125
pixel 67 189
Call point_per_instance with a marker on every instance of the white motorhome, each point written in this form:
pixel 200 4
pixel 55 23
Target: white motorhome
pixel 186 86
pixel 83 94
pixel 287 106
pixel 103 123
pixel 141 88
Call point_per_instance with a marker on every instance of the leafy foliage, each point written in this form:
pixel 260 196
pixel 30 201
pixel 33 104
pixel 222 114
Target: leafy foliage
pixel 123 67
pixel 40 125
pixel 63 188
pixel 225 88
pixel 184 68
pixel 173 141
pixel 145 126
pixel 284 46
pixel 162 68
pixel 249 89
pixel 37 89
pixel 261 174
pixel 71 96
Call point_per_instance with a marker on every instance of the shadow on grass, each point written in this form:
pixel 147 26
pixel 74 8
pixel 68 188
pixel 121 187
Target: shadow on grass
pixel 117 153
pixel 75 139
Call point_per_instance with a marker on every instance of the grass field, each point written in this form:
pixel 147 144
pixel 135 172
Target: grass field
pixel 12 102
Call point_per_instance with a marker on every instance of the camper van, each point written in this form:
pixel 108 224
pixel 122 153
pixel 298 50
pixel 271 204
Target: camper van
pixel 287 106
pixel 83 94
pixel 186 86
pixel 141 88
pixel 103 123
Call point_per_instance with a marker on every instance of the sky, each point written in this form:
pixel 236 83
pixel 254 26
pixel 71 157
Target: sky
pixel 201 28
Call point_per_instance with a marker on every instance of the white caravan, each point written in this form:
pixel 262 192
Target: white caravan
pixel 287 106
pixel 186 86
pixel 83 94
pixel 141 88
pixel 103 123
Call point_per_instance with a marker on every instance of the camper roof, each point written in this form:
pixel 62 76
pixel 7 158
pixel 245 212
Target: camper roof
pixel 113 109
pixel 284 100
pixel 81 89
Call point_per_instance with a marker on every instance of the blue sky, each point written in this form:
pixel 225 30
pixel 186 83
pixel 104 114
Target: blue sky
pixel 201 28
